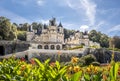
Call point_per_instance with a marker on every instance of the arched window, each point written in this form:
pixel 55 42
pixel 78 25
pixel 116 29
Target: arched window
pixel 46 47
pixel 39 46
pixel 52 47
pixel 58 47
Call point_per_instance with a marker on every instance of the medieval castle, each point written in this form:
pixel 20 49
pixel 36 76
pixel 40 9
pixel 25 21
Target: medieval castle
pixel 52 37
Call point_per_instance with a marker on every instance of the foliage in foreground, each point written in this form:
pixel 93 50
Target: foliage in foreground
pixel 20 70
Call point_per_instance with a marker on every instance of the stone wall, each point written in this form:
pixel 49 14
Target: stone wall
pixel 103 55
pixel 53 57
pixel 13 46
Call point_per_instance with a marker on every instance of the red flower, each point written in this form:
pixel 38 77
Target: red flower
pixel 22 59
pixel 118 71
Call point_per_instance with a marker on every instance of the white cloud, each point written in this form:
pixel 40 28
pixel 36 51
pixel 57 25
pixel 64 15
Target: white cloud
pixel 40 2
pixel 114 28
pixel 70 26
pixel 13 17
pixel 84 27
pixel 44 21
pixel 87 7
pixel 73 4
pixel 90 10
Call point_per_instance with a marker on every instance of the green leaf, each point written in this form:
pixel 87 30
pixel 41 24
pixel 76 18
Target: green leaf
pixel 8 76
pixel 47 61
pixel 114 72
pixel 40 64
pixel 57 64
pixel 97 77
pixel 86 77
pixel 76 76
pixel 64 78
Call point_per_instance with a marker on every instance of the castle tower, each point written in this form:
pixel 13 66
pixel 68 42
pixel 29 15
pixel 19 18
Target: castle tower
pixel 60 28
pixel 61 32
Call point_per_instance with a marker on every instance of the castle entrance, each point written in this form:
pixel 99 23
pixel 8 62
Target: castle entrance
pixel 2 50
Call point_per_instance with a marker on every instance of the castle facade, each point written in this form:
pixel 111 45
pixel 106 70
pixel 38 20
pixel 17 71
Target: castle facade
pixel 52 37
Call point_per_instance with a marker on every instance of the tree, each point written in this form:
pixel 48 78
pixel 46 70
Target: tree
pixel 67 33
pixel 104 40
pixel 94 36
pixel 99 37
pixel 21 35
pixel 116 41
pixel 34 25
pixel 7 31
pixel 23 27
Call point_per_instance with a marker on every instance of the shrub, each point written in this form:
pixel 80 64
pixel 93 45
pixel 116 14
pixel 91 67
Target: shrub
pixel 81 62
pixel 21 35
pixel 95 63
pixel 89 59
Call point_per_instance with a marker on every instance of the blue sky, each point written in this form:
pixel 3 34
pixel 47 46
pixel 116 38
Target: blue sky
pixel 101 15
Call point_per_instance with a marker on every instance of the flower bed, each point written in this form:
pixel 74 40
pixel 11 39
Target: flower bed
pixel 13 69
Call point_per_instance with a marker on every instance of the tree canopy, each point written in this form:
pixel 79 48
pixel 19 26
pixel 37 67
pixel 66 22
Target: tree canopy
pixel 7 30
pixel 99 37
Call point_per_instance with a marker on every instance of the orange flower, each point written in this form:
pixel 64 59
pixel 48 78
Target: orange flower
pixel 95 69
pixel 70 68
pixel 105 77
pixel 91 66
pixel 52 64
pixel 19 62
pixel 32 61
pixel 88 70
pixel 74 59
pixel 76 68
pixel 23 67
pixel 108 67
